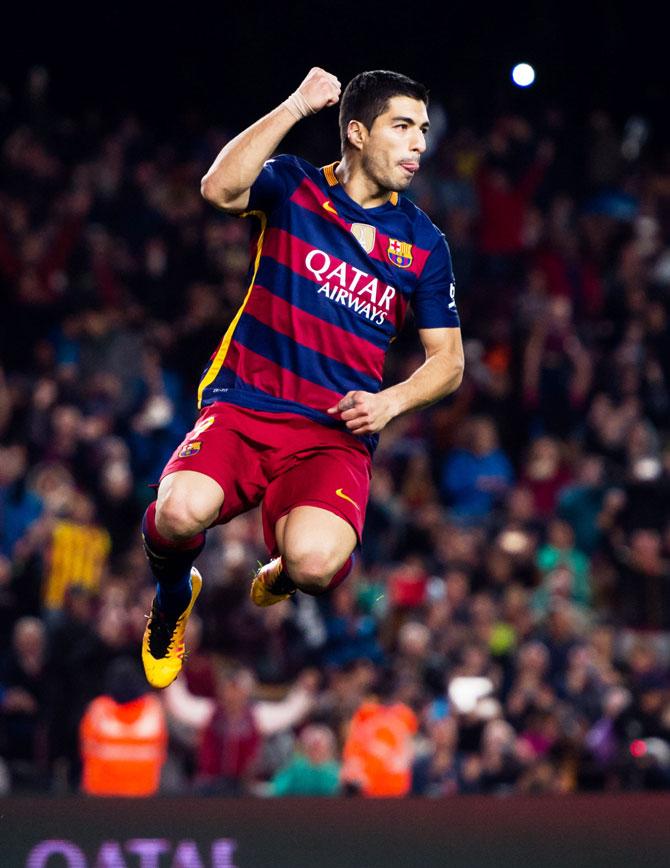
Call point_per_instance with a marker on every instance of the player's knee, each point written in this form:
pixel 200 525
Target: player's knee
pixel 180 516
pixel 312 570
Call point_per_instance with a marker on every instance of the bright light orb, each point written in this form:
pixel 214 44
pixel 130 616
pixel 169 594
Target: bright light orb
pixel 523 75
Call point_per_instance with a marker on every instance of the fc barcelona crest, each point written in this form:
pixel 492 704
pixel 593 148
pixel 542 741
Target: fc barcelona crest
pixel 365 235
pixel 190 449
pixel 400 253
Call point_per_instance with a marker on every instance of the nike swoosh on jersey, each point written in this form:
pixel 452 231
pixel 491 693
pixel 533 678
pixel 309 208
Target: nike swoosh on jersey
pixel 328 207
pixel 344 496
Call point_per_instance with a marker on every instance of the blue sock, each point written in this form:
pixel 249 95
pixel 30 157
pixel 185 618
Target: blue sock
pixel 170 564
pixel 175 597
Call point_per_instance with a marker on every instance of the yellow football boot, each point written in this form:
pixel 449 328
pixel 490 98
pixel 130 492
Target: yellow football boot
pixel 271 585
pixel 163 641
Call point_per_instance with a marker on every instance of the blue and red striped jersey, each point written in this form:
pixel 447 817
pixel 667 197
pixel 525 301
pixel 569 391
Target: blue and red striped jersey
pixel 329 286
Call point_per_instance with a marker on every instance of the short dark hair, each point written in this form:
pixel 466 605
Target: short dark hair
pixel 367 96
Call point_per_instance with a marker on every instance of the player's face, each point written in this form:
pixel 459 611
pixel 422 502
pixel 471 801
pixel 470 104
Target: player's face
pixel 393 147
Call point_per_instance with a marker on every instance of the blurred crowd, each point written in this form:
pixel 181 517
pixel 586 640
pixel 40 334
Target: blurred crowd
pixel 507 625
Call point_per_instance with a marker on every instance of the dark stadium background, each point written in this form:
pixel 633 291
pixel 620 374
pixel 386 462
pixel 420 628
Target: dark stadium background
pixel 233 59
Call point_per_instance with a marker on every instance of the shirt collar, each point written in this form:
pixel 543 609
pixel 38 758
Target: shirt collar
pixel 331 179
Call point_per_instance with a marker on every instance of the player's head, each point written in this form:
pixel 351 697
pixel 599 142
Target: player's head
pixel 383 120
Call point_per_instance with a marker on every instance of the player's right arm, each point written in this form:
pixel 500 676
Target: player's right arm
pixel 231 175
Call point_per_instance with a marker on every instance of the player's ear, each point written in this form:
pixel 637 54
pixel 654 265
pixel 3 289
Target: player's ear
pixel 356 134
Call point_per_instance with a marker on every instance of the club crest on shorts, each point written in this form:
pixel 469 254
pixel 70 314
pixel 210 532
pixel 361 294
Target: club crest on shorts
pixel 189 449
pixel 365 235
pixel 399 253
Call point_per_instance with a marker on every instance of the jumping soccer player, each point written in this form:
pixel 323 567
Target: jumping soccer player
pixel 291 406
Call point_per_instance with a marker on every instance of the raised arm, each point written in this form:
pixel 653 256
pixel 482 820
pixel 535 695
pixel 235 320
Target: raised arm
pixel 229 179
pixel 438 376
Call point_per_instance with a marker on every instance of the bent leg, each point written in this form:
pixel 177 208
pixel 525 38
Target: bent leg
pixel 173 530
pixel 313 515
pixel 316 547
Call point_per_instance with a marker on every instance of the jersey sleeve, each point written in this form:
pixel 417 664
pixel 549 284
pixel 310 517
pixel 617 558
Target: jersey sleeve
pixel 276 182
pixel 433 300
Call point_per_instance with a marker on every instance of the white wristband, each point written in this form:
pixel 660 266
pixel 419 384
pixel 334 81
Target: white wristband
pixel 298 106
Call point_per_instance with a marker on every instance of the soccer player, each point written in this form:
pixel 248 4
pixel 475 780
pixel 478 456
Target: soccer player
pixel 291 401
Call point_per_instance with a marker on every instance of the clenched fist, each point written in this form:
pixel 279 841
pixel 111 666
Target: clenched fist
pixel 364 412
pixel 318 90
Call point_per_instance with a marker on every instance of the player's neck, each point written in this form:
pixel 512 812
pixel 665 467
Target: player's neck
pixel 359 186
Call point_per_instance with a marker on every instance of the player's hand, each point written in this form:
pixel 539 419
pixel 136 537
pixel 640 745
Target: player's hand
pixel 364 412
pixel 318 90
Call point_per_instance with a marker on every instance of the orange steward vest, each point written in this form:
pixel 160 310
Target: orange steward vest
pixel 123 746
pixel 378 751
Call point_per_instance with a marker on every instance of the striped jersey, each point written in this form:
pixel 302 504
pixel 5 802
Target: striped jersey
pixel 330 283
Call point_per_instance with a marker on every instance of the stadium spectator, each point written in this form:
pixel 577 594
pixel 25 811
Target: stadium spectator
pixel 476 476
pixel 564 570
pixel 313 769
pixel 228 728
pixel 77 553
pixel 123 736
pixel 20 507
pixel 378 752
pixel 24 702
pixel 435 768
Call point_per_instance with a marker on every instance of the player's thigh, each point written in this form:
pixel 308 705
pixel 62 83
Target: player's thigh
pixel 334 485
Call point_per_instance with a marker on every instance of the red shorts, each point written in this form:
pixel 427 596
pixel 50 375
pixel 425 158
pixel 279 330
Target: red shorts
pixel 281 460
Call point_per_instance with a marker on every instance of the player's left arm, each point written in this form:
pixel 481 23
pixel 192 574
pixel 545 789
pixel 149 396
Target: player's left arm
pixel 438 376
